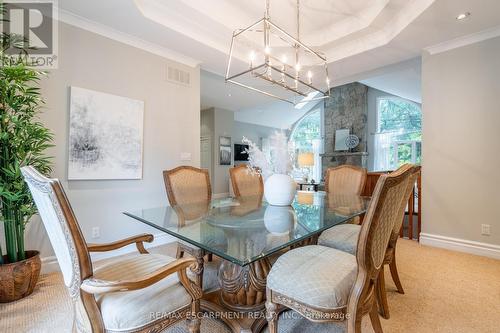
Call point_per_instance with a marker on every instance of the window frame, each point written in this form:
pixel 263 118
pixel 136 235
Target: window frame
pixel 319 107
pixel 395 144
pixel 377 107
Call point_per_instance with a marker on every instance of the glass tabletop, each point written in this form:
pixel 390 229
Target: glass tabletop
pixel 243 230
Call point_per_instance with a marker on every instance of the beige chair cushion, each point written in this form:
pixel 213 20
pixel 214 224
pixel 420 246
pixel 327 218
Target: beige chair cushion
pixel 132 309
pixel 342 237
pixel 314 275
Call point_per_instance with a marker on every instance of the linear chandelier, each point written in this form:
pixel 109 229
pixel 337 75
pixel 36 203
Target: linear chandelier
pixel 277 64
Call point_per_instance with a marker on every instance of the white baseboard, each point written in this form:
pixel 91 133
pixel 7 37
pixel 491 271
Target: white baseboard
pixel 50 264
pixel 461 245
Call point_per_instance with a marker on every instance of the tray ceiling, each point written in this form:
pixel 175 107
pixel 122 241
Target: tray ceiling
pixel 338 28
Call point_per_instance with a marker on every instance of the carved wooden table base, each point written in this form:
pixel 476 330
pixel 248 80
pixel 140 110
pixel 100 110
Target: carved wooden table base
pixel 237 321
pixel 240 301
pixel 244 288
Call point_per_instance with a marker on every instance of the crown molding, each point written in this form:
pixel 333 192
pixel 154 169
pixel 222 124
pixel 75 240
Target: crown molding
pixel 464 40
pixel 106 31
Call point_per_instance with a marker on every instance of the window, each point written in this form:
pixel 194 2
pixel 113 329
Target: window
pixel 399 133
pixel 306 136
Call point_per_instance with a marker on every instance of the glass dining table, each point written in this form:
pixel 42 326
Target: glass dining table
pixel 248 235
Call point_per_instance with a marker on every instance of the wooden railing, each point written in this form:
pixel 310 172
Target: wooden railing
pixel 371 181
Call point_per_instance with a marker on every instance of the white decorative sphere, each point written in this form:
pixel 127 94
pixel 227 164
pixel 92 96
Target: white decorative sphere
pixel 279 220
pixel 279 190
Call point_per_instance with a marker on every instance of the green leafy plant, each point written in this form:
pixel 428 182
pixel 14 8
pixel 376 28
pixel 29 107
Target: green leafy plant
pixel 23 141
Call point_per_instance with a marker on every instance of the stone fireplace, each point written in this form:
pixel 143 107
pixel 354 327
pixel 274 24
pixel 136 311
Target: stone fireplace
pixel 346 109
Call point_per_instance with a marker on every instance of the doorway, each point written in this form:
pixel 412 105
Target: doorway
pixel 206 154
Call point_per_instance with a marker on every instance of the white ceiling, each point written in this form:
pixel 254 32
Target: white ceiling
pixel 403 79
pixel 358 36
pixel 249 106
pixel 215 92
pixel 338 28
pixel 275 114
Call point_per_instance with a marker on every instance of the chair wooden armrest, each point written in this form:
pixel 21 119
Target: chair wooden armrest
pixel 97 286
pixel 138 240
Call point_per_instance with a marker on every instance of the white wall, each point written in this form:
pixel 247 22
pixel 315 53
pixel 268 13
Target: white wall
pixel 252 132
pixel 461 143
pixel 171 126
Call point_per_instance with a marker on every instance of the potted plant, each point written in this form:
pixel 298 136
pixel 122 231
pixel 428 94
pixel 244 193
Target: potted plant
pixel 275 167
pixel 23 141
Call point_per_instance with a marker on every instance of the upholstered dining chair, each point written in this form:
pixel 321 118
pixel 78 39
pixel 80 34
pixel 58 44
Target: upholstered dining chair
pixel 206 276
pixel 190 193
pixel 390 255
pixel 245 182
pixel 346 180
pixel 121 295
pixel 345 238
pixel 330 285
pixel 188 186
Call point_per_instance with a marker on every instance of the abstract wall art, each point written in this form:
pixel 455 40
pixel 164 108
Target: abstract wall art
pixel 225 150
pixel 105 136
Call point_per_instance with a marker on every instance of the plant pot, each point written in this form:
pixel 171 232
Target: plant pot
pixel 279 190
pixel 18 279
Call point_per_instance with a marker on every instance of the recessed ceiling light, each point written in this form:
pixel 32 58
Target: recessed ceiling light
pixel 229 95
pixel 463 16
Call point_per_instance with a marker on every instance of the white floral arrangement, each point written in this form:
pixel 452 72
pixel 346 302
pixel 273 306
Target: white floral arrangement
pixel 278 161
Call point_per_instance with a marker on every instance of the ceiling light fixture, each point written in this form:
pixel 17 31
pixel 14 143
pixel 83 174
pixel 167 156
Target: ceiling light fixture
pixel 280 65
pixel 463 16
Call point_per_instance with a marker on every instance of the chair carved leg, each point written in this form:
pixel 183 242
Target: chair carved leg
pixel 271 313
pixel 194 321
pixel 374 318
pixel 180 252
pixel 395 274
pixel 382 295
pixel 199 270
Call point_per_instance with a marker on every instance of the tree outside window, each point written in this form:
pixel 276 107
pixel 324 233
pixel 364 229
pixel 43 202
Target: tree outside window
pixel 399 133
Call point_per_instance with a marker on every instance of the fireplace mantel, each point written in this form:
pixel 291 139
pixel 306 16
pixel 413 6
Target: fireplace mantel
pixel 337 158
pixel 345 153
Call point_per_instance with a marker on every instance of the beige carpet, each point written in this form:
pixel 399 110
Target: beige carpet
pixel 445 292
